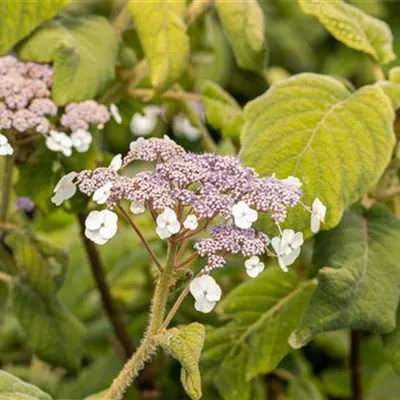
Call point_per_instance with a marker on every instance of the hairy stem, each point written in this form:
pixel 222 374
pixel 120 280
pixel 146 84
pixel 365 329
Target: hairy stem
pixel 108 304
pixel 122 19
pixel 141 237
pixel 149 344
pixel 196 8
pixel 167 95
pixel 6 186
pixel 355 372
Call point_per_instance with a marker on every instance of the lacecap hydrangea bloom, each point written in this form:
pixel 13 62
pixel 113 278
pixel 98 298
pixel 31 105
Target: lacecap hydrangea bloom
pixel 27 107
pixel 187 194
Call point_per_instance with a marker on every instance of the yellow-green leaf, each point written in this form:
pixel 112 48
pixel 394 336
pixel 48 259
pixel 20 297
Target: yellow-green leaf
pixel 394 75
pixel 353 27
pixel 185 345
pixel 19 18
pixel 336 142
pixel 83 51
pixel 359 277
pixel 162 32
pixel 244 25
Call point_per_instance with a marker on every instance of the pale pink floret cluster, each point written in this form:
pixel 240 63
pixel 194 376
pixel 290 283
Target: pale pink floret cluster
pixel 205 186
pixel 26 103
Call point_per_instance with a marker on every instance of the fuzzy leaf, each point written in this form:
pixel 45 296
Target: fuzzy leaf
pixel 359 279
pixel 83 51
pixel 392 91
pixel 52 332
pixel 243 23
pixel 13 388
pixel 264 312
pixel 19 18
pixel 353 27
pixel 222 110
pixel 338 143
pixel 185 345
pixel 162 32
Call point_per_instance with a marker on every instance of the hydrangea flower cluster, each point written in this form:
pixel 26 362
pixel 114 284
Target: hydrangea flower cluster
pixel 26 107
pixel 189 194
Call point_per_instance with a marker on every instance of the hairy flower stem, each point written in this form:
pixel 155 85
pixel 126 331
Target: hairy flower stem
pixel 149 343
pixel 6 185
pixel 355 369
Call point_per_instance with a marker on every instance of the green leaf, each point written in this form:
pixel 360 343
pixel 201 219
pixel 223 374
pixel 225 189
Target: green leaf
pixel 222 110
pixel 338 143
pixel 264 312
pixel 19 18
pixel 304 388
pixel 394 75
pixel 13 388
pixel 391 345
pixel 353 27
pixel 185 345
pixel 243 23
pixel 392 91
pixel 359 279
pixel 83 51
pixel 52 332
pixel 162 32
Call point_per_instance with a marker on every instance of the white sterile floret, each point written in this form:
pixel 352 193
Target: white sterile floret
pixel 287 247
pixel 137 207
pixel 60 142
pixel 5 147
pixel 191 222
pixel 292 181
pixel 101 226
pixel 115 113
pixel 167 224
pixel 182 126
pixel 64 189
pixel 317 214
pixel 254 266
pixel 243 215
pixel 101 195
pixel 206 293
pixel 116 162
pixel 81 140
pixel 143 125
pixel 136 143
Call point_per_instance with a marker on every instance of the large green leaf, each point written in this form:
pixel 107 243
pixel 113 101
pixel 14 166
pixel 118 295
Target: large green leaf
pixel 338 143
pixel 19 18
pixel 51 330
pixel 185 345
pixel 264 312
pixel 359 279
pixel 83 51
pixel 391 347
pixel 162 32
pixel 353 27
pixel 13 388
pixel 222 110
pixel 243 22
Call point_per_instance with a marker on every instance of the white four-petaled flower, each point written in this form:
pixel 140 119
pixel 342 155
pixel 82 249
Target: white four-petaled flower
pixel 143 125
pixel 254 266
pixel 287 247
pixel 317 214
pixel 167 224
pixel 182 126
pixel 116 162
pixel 101 195
pixel 137 207
pixel 115 113
pixel 191 222
pixel 243 215
pixel 64 189
pixel 5 147
pixel 60 142
pixel 81 140
pixel 292 181
pixel 101 226
pixel 206 293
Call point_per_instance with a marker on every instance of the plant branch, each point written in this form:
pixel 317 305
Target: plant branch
pixel 167 95
pixel 6 186
pixel 378 72
pixel 196 8
pixel 108 304
pixel 122 19
pixel 141 237
pixel 355 370
pixel 149 344
pixel 188 260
